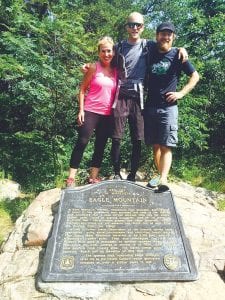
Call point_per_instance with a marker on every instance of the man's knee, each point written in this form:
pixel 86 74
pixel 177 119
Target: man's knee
pixel 116 142
pixel 161 148
pixel 136 145
pixel 156 146
pixel 165 149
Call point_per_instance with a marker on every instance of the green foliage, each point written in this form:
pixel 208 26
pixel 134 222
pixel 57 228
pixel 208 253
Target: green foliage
pixel 14 208
pixel 82 176
pixel 221 204
pixel 5 223
pixel 192 132
pixel 23 150
pixel 40 67
pixel 205 169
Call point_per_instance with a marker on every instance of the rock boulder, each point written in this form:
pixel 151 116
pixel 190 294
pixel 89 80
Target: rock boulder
pixel 22 255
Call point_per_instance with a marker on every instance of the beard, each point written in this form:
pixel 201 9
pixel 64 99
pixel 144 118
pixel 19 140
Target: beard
pixel 164 46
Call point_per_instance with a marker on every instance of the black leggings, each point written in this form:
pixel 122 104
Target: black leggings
pixel 102 125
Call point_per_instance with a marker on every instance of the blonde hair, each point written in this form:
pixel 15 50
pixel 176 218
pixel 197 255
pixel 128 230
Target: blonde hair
pixel 105 40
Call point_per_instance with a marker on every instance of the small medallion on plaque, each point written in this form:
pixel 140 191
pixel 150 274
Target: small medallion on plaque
pixel 171 262
pixel 67 263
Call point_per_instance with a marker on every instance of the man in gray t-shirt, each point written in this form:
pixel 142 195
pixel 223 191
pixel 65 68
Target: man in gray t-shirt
pixel 135 58
pixel 128 105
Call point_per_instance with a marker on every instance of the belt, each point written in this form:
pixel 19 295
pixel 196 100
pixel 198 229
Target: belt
pixel 138 86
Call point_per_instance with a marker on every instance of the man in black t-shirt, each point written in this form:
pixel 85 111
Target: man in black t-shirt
pixel 128 106
pixel 161 112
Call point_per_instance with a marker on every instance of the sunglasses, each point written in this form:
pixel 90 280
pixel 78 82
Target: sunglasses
pixel 133 24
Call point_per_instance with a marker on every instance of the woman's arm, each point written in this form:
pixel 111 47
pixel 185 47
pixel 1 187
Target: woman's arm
pixel 83 88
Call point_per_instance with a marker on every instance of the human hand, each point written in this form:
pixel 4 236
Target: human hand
pixel 183 55
pixel 173 96
pixel 80 118
pixel 85 68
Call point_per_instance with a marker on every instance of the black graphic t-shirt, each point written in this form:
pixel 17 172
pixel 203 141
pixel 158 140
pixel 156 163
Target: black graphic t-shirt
pixel 164 71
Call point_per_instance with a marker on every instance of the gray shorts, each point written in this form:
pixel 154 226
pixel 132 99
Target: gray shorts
pixel 161 126
pixel 128 110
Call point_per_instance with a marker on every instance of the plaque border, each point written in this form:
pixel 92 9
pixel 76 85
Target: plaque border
pixel 48 275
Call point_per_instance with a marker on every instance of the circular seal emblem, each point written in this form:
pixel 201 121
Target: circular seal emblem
pixel 172 262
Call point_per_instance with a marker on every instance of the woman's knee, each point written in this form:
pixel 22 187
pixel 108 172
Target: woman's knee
pixel 82 142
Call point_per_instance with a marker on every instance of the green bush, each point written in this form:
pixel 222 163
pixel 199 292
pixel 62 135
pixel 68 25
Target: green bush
pixel 14 208
pixel 205 170
pixel 5 223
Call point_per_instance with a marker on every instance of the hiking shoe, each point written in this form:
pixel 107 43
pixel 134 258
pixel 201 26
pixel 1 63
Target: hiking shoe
pixel 117 177
pixel 70 182
pixel 162 188
pixel 94 180
pixel 154 182
pixel 131 177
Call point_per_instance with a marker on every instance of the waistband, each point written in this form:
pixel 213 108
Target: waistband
pixel 127 80
pixel 138 86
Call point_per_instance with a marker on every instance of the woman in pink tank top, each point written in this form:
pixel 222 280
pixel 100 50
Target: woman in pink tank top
pixel 95 110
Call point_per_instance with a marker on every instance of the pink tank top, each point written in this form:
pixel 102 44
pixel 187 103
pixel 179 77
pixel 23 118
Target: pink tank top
pixel 101 92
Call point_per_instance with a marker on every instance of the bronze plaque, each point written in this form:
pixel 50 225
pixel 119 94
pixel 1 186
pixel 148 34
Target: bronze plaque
pixel 117 230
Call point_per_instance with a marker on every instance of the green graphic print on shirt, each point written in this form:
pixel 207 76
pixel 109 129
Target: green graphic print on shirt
pixel 161 67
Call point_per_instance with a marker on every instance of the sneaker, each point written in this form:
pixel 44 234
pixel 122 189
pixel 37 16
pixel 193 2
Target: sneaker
pixel 94 180
pixel 117 177
pixel 154 182
pixel 131 177
pixel 70 182
pixel 162 188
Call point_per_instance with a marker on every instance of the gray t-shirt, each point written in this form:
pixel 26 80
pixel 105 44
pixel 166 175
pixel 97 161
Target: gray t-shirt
pixel 135 59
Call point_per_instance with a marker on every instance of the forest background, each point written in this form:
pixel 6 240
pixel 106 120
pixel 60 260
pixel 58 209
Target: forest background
pixel 43 44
